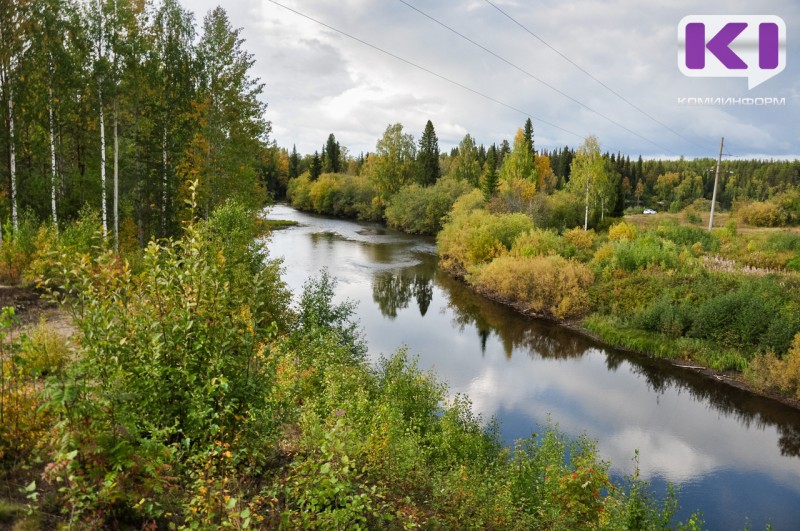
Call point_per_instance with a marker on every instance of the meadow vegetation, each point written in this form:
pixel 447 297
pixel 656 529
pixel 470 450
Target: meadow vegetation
pixel 196 396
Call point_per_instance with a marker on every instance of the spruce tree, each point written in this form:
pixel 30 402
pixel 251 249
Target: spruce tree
pixel 428 157
pixel 316 167
pixel 331 155
pixel 294 163
pixel 490 176
pixel 529 135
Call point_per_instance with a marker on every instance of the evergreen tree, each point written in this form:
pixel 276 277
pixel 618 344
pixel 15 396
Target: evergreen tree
pixel 315 170
pixel 428 157
pixel 529 135
pixel 490 175
pixel 331 156
pixel 294 163
pixel 504 150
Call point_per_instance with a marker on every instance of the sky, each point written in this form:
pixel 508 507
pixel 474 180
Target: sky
pixel 319 81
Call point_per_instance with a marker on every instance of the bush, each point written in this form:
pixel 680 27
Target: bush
pixel 18 248
pixel 24 424
pixel 478 237
pixel 59 252
pixel 768 371
pixel 336 194
pixel 579 238
pixel 644 252
pixel 764 214
pixel 421 210
pixel 688 236
pixel 547 285
pixel 537 242
pixel 178 357
pixel 622 231
pixel 691 216
pixel 751 317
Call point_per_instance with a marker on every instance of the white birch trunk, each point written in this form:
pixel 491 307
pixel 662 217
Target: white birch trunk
pixel 53 177
pixel 586 215
pixel 164 176
pixel 100 55
pixel 116 181
pixel 12 156
pixel 103 165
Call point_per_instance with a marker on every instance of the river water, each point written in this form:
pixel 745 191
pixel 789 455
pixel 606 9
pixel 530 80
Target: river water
pixel 736 456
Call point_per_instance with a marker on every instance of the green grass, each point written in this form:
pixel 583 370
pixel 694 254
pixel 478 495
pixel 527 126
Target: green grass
pixel 615 333
pixel 277 224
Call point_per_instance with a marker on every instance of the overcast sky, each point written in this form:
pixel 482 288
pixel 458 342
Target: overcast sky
pixel 318 81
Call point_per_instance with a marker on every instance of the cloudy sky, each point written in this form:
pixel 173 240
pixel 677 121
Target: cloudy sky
pixel 319 81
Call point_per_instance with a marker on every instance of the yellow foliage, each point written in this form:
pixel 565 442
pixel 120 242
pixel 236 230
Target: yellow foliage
pixel 622 231
pixel 604 254
pixel 536 242
pixel 521 188
pixel 581 239
pixel 768 370
pixel 549 285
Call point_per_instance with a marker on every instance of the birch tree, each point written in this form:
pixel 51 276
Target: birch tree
pixel 587 173
pixel 233 131
pixel 13 43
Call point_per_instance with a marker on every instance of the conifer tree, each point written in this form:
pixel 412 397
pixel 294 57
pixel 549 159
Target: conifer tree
pixel 428 156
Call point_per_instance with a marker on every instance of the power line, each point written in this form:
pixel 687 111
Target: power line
pixel 428 71
pixel 614 92
pixel 548 85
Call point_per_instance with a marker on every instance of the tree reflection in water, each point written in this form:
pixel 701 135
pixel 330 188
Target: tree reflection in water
pixel 392 290
pixel 546 340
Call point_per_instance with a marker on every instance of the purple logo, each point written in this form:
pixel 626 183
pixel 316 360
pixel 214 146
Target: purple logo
pixel 751 46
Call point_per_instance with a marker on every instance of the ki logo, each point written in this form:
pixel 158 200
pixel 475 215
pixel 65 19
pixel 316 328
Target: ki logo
pixel 751 46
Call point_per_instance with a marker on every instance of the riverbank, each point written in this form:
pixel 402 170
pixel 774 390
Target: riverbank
pixel 663 291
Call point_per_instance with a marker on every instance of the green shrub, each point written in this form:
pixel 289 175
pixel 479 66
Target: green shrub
pixel 421 210
pixel 178 357
pixel 644 252
pixel 687 236
pixel 477 237
pixel 537 242
pixel 751 317
pixel 782 241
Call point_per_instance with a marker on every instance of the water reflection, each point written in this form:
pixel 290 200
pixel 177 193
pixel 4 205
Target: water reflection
pixel 735 454
pixel 392 290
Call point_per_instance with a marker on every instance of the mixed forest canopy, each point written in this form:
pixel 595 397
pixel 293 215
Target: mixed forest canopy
pixel 118 104
pixel 514 172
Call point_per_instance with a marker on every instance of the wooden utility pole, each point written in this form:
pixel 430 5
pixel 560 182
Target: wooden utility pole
pixel 716 180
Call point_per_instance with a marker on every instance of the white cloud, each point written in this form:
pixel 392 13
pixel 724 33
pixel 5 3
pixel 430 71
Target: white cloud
pixel 319 81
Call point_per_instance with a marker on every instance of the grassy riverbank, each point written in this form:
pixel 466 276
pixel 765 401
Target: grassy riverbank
pixel 724 300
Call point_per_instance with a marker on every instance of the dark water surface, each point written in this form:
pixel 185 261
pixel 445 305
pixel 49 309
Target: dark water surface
pixel 737 456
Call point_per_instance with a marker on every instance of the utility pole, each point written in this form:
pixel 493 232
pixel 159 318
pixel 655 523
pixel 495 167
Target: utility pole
pixel 716 180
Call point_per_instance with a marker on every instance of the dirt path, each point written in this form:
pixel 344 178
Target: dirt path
pixel 30 308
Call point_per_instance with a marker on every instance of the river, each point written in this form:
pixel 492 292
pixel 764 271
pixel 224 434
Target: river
pixel 736 456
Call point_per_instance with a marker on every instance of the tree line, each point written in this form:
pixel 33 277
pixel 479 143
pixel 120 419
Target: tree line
pixel 617 181
pixel 118 104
